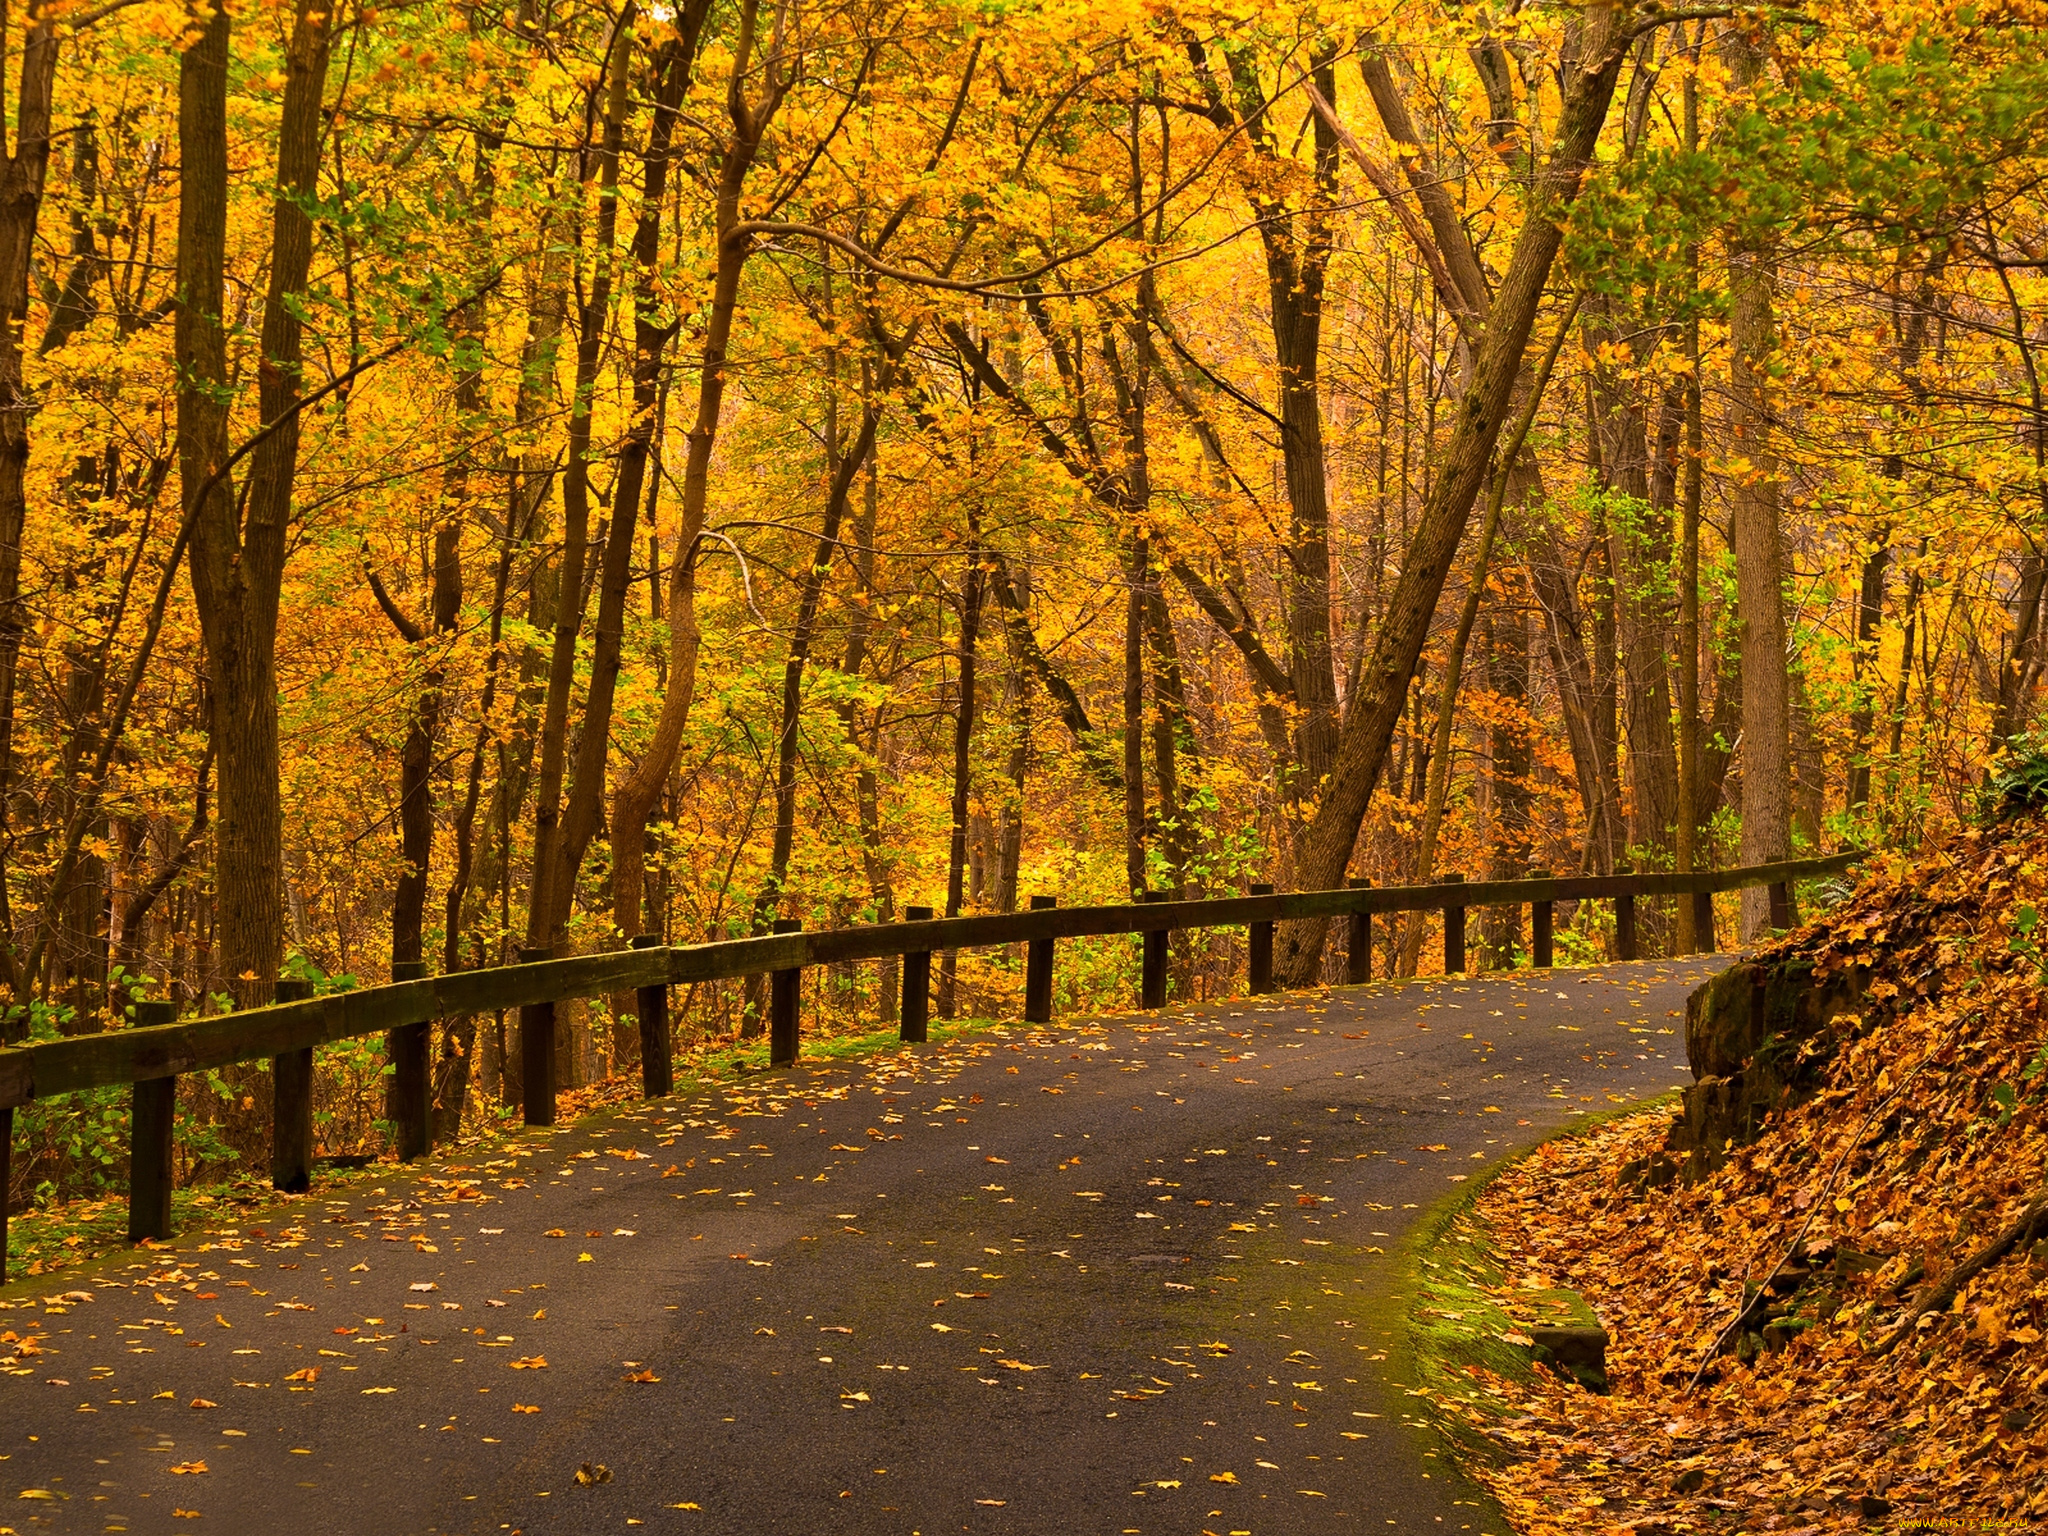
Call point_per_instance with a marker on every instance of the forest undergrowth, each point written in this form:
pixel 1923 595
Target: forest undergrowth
pixel 1840 1326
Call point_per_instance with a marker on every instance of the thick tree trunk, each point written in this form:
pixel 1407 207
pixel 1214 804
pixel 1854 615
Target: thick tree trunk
pixel 238 566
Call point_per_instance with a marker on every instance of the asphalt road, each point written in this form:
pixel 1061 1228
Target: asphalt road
pixel 1121 1276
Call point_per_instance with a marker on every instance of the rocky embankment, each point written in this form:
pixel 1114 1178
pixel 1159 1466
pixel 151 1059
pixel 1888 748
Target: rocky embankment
pixel 1824 1279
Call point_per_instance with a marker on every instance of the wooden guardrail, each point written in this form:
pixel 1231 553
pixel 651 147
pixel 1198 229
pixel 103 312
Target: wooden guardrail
pixel 151 1055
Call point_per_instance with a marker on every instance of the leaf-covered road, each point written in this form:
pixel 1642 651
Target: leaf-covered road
pixel 1122 1276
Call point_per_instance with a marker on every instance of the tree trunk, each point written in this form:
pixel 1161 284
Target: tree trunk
pixel 650 340
pixel 867 792
pixel 1135 571
pixel 238 567
pixel 1172 738
pixel 638 792
pixel 1510 830
pixel 416 761
pixel 1324 849
pixel 1759 552
pixel 550 895
pixel 22 176
pixel 963 763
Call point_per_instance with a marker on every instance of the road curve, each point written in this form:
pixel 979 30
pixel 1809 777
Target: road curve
pixel 1123 1275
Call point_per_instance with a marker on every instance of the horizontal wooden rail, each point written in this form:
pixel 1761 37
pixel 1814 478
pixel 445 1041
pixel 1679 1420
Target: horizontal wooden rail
pixel 54 1067
pixel 151 1054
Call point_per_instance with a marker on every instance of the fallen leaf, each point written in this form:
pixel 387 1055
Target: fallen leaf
pixel 591 1473
pixel 188 1466
pixel 1222 1477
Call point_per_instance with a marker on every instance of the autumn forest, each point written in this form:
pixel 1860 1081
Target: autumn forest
pixel 488 477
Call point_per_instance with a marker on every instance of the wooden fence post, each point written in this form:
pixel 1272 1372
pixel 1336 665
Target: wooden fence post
pixel 412 1092
pixel 537 1049
pixel 1703 922
pixel 917 985
pixel 784 990
pixel 1541 915
pixel 1152 973
pixel 153 1106
pixel 291 1104
pixel 1358 944
pixel 1038 970
pixel 1454 930
pixel 1261 946
pixel 1625 926
pixel 657 1066
pixel 1783 917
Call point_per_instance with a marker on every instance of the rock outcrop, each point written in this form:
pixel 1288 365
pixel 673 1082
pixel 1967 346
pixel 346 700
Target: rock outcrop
pixel 1757 1039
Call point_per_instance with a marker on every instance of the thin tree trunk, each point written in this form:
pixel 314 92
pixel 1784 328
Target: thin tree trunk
pixel 1172 737
pixel 22 175
pixel 1440 756
pixel 875 863
pixel 1759 551
pixel 547 903
pixel 672 64
pixel 1134 717
pixel 1690 807
pixel 638 792
pixel 963 762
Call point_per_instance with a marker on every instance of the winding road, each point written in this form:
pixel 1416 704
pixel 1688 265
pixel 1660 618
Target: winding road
pixel 1123 1275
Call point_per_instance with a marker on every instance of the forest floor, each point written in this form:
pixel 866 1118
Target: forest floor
pixel 1842 1326
pixel 1132 1275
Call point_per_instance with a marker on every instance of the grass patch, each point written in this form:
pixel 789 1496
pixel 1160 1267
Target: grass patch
pixel 1455 1319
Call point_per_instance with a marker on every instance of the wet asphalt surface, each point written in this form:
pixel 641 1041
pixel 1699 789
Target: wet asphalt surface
pixel 1125 1276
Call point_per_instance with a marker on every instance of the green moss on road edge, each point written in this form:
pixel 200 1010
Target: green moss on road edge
pixel 1450 1320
